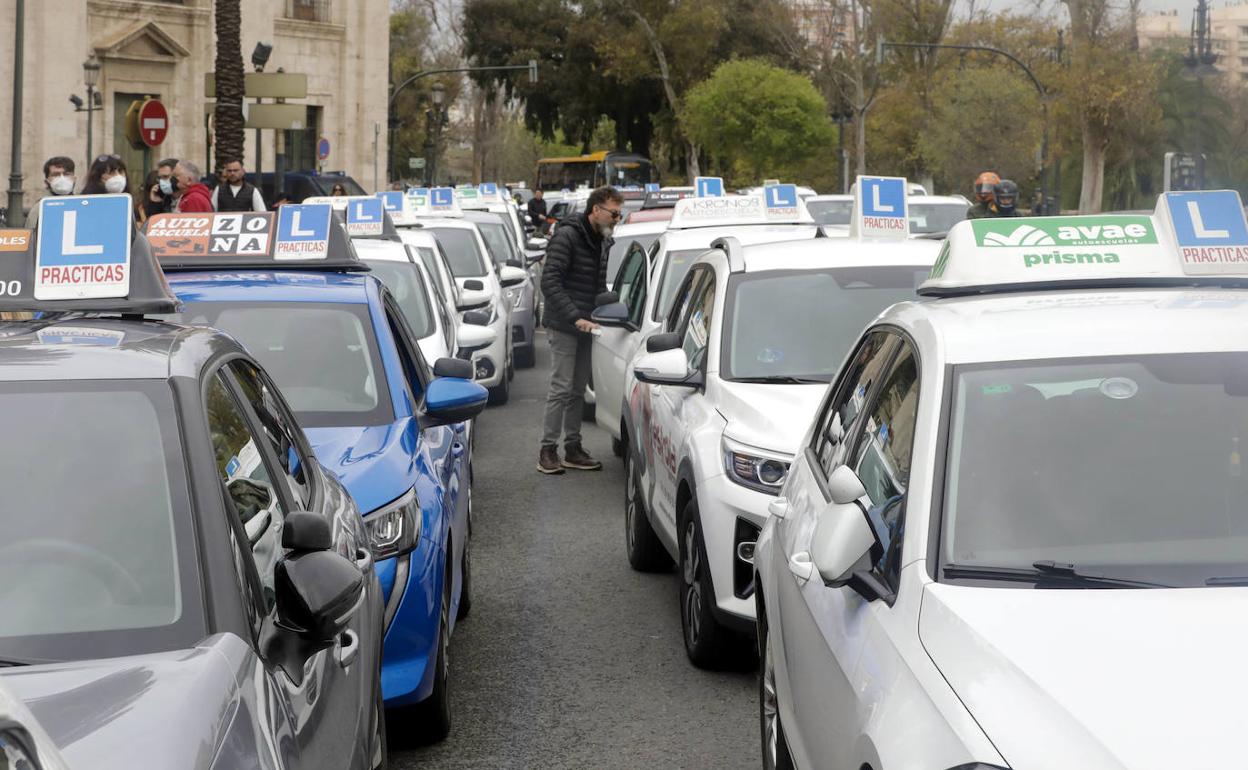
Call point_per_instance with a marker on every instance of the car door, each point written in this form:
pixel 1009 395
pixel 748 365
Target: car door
pixel 257 488
pixel 676 409
pixel 869 425
pixel 614 347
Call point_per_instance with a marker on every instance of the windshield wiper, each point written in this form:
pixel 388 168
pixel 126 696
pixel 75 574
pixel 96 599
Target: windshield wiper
pixel 1046 572
pixel 782 379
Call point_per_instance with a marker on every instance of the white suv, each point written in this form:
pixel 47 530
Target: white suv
pixel 718 401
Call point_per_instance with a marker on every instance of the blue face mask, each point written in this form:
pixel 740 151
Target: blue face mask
pixel 166 187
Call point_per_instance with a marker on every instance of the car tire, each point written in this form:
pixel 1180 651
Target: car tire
pixel 775 746
pixel 526 357
pixel 708 643
pixel 645 552
pixel 381 752
pixel 501 393
pixel 618 447
pixel 431 718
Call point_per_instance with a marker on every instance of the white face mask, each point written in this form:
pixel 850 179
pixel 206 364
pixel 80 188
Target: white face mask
pixel 62 185
pixel 115 184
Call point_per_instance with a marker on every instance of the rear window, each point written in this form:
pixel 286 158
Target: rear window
pixel 463 253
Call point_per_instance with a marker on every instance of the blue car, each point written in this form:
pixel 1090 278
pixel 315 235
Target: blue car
pixel 337 344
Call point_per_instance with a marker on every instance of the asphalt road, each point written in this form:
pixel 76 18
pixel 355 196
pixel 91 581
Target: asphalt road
pixel 570 659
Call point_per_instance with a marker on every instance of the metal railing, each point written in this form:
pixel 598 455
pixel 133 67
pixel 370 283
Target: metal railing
pixel 309 10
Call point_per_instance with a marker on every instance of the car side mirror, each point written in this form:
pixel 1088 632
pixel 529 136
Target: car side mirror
pixel 317 590
pixel 471 337
pixel 303 532
pixel 453 367
pixel 474 284
pixel 470 298
pixel 657 343
pixel 844 539
pixel 449 400
pixel 668 367
pixel 515 263
pixel 476 318
pixel 512 276
pixel 536 244
pixel 612 314
pixel 606 298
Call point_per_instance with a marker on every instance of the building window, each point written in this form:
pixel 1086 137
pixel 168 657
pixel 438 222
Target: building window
pixel 301 143
pixel 308 10
pixel 1243 31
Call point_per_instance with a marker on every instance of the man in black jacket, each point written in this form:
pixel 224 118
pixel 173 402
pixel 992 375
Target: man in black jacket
pixel 574 274
pixel 537 211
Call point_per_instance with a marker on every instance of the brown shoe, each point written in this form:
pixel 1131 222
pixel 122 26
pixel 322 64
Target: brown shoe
pixel 548 461
pixel 576 457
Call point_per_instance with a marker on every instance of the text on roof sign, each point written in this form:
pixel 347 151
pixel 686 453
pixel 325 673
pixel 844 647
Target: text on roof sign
pixel 303 231
pixel 83 249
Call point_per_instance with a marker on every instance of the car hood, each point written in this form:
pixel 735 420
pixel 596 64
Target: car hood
pixel 769 416
pixel 171 709
pixel 375 463
pixel 1146 679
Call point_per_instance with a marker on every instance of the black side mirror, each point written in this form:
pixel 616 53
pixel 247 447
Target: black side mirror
pixel 303 532
pixel 473 284
pixel 614 314
pixel 477 318
pixel 606 298
pixel 657 343
pixel 317 592
pixel 515 263
pixel 453 367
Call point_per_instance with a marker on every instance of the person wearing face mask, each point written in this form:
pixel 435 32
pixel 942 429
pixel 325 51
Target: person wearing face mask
pixel 108 177
pixel 58 175
pixel 575 273
pixel 194 196
pixel 159 198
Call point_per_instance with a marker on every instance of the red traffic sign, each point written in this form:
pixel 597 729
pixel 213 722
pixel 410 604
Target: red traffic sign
pixel 153 123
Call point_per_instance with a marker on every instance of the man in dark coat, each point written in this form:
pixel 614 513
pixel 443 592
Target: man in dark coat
pixel 537 211
pixel 575 273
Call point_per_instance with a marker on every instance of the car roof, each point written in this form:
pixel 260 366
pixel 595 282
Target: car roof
pixel 91 348
pixel 655 216
pixel 418 236
pixel 271 286
pixel 629 229
pixel 460 223
pixel 701 237
pixel 837 197
pixel 1025 326
pixel 820 253
pixel 377 248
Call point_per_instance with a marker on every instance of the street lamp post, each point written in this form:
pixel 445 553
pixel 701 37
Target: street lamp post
pixel 434 117
pixel 15 215
pixel 260 57
pixel 90 78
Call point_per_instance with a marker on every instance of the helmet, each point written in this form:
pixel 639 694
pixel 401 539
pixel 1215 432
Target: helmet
pixel 984 183
pixel 1005 195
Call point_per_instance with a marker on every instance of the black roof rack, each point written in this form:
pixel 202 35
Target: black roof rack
pixel 298 237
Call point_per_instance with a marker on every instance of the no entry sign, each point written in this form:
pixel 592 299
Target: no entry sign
pixel 153 123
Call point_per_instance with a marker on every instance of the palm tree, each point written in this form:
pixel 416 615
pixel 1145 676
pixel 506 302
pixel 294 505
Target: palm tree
pixel 228 115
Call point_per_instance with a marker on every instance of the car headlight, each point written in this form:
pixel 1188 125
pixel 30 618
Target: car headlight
pixel 394 528
pixel 754 468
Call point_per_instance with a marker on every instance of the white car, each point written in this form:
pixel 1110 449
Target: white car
pixel 472 270
pixel 931 216
pixel 662 266
pixel 644 234
pixel 1064 411
pixel 438 334
pixel 719 399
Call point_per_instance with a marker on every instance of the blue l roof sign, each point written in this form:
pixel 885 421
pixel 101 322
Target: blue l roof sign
pixel 488 189
pixel 442 198
pixel 709 186
pixel 392 200
pixel 781 199
pixel 365 216
pixel 1210 230
pixel 880 208
pixel 303 231
pixel 83 249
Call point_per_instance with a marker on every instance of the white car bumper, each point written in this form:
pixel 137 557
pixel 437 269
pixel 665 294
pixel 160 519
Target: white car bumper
pixel 731 514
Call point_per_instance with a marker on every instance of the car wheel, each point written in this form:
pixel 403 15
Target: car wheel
pixel 775 747
pixel 431 718
pixel 618 447
pixel 708 643
pixel 645 552
pixel 501 393
pixel 526 357
pixel 511 365
pixel 381 752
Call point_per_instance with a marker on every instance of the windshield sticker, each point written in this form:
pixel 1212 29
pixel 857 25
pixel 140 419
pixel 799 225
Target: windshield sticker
pixel 1065 231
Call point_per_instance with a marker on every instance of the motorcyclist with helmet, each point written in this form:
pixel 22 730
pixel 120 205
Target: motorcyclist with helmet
pixel 1005 199
pixel 985 183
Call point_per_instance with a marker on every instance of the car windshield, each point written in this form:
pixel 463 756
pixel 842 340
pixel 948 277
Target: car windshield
pixel 348 184
pixel 498 242
pixel 800 323
pixel 323 356
pixel 935 217
pixel 403 281
pixel 620 247
pixel 831 212
pixel 675 268
pixel 463 254
pixel 97 557
pixel 1130 467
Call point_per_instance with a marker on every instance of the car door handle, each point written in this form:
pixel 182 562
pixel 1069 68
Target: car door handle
pixel 778 507
pixel 363 559
pixel 348 648
pixel 801 566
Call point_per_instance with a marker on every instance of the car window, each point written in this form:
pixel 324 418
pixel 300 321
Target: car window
pixel 882 458
pixel 414 370
pixel 696 329
pixel 615 255
pixel 408 291
pixel 498 242
pixel 688 290
pixel 279 429
pixel 246 484
pixel 926 218
pixel 675 268
pixel 834 212
pixel 463 253
pixel 847 397
pixel 630 283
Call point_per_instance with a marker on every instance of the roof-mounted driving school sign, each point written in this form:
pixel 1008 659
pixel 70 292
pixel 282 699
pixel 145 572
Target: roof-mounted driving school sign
pixel 83 249
pixel 708 186
pixel 201 234
pixel 365 216
pixel 442 199
pixel 781 200
pixel 393 201
pixel 880 208
pixel 1209 230
pixel 303 231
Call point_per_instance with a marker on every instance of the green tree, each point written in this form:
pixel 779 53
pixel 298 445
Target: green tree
pixel 228 113
pixel 757 119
